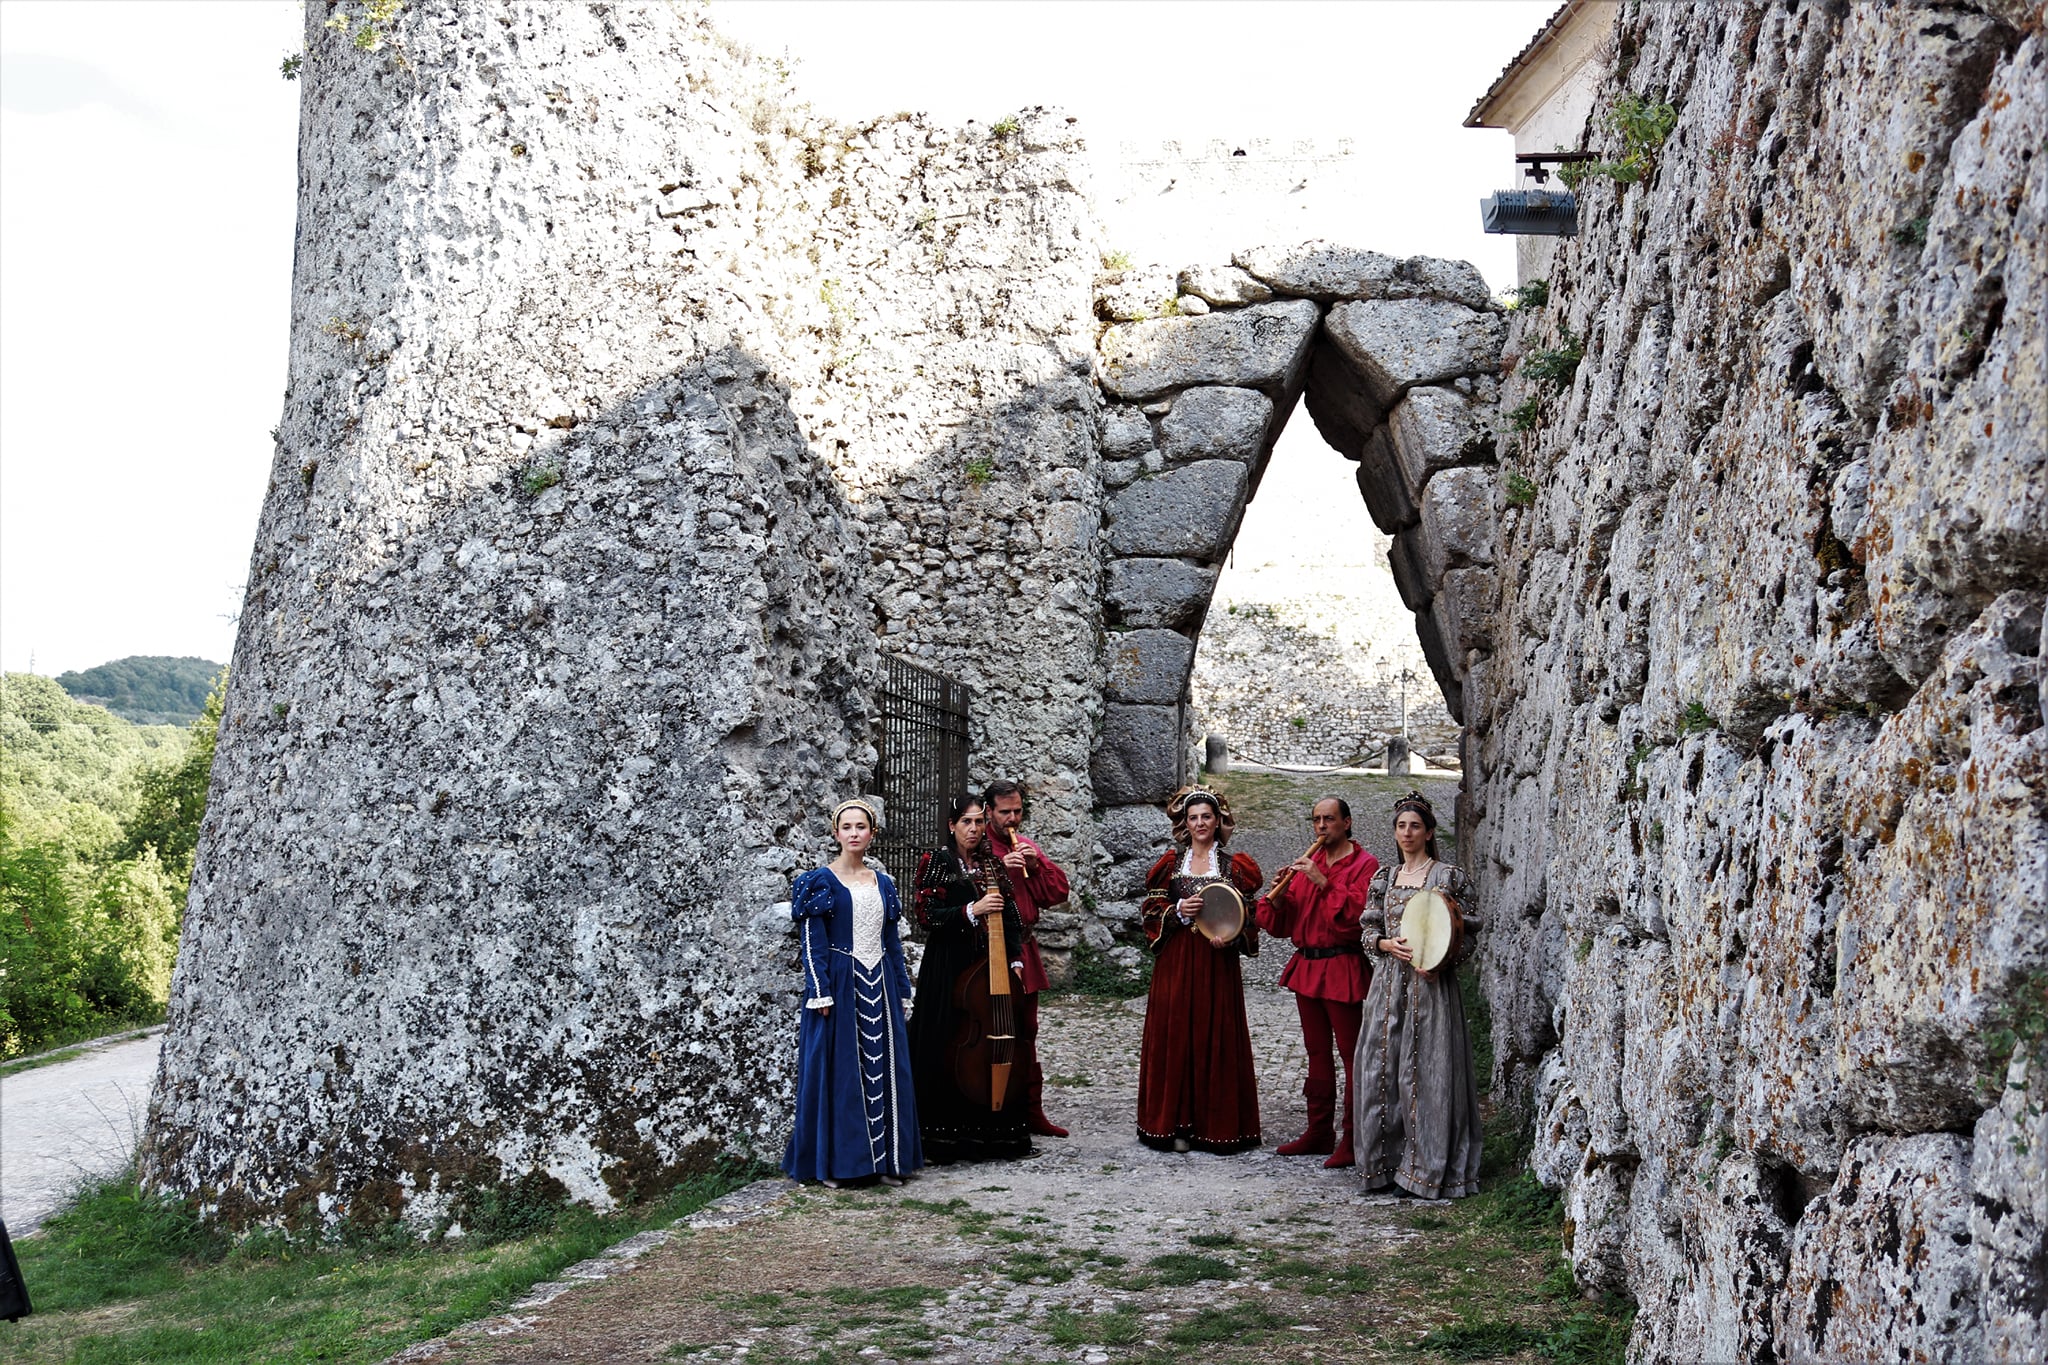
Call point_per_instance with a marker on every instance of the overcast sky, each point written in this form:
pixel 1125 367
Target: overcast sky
pixel 146 213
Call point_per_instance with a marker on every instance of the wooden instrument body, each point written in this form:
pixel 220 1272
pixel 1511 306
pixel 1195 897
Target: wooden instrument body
pixel 1434 928
pixel 985 1040
pixel 1221 918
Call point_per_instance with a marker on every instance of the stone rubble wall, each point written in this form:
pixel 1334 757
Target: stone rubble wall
pixel 1297 682
pixel 1200 370
pixel 1758 773
pixel 621 392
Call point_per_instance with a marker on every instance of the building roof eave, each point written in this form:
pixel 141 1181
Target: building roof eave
pixel 1490 106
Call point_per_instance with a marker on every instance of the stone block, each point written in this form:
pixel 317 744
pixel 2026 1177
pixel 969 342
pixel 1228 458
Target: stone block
pixel 1457 521
pixel 1321 270
pixel 2009 1217
pixel 1344 413
pixel 1137 758
pixel 1148 665
pixel 1441 665
pixel 1404 558
pixel 1438 428
pixel 1941 920
pixel 1882 1266
pixel 1192 305
pixel 1215 424
pixel 1134 294
pixel 1126 433
pixel 1466 602
pixel 1226 286
pixel 1262 346
pixel 1596 1222
pixel 1384 489
pixel 1188 512
pixel 1434 277
pixel 1156 592
pixel 1395 344
pixel 1135 833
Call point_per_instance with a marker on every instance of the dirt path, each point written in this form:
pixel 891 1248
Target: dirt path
pixel 69 1122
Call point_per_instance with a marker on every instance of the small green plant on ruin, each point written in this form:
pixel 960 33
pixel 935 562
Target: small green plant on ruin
pixel 1169 307
pixel 539 477
pixel 345 331
pixel 1696 719
pixel 371 28
pixel 1519 490
pixel 1637 786
pixel 1642 125
pixel 1912 232
pixel 1533 295
pixel 1526 415
pixel 1006 126
pixel 1298 722
pixel 980 470
pixel 1116 262
pixel 1555 366
pixel 289 67
pixel 2018 1027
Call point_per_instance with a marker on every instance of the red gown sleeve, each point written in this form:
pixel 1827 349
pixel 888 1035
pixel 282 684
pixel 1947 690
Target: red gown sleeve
pixel 1158 899
pixel 1247 878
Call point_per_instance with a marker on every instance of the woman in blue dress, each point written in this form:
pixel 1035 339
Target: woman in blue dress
pixel 856 1109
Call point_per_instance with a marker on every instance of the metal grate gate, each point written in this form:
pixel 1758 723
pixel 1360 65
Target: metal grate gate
pixel 923 762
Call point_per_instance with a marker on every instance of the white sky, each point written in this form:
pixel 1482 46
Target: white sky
pixel 147 182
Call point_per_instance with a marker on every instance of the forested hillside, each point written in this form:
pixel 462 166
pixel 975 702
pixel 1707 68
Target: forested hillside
pixel 146 689
pixel 98 818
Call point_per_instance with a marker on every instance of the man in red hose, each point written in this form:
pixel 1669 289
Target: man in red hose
pixel 1320 909
pixel 1037 884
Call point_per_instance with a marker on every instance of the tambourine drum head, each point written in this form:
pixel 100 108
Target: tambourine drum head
pixel 1221 918
pixel 1431 927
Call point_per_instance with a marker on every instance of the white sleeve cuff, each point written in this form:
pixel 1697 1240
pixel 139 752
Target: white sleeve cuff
pixel 818 1002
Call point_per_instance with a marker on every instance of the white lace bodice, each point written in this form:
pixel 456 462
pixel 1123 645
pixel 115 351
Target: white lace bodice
pixel 867 923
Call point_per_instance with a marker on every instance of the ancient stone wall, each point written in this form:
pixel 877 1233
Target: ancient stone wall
pixel 1758 786
pixel 622 396
pixel 1200 370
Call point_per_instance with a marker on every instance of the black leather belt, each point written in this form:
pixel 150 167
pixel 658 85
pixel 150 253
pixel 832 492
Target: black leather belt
pixel 1341 950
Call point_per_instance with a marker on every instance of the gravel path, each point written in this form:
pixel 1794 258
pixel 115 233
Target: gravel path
pixel 69 1122
pixel 1093 1249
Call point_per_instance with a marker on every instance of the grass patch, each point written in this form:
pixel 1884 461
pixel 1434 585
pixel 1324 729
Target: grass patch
pixel 1222 1324
pixel 1185 1268
pixel 123 1275
pixel 1212 1239
pixel 1481 1340
pixel 1119 1327
pixel 1097 976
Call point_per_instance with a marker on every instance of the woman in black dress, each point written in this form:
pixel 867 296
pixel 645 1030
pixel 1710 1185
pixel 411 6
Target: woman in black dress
pixel 959 887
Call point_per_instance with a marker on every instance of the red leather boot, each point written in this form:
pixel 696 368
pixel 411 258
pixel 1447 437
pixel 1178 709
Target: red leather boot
pixel 1038 1122
pixel 1342 1157
pixel 1321 1134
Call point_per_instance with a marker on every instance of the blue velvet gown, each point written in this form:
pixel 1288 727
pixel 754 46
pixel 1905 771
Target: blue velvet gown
pixel 856 1108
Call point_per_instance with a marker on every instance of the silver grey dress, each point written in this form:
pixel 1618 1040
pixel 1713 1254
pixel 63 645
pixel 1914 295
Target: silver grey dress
pixel 1417 1120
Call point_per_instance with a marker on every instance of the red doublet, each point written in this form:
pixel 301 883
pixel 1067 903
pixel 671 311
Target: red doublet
pixel 1324 918
pixel 1043 889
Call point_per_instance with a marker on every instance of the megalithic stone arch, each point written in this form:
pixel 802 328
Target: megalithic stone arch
pixel 1398 361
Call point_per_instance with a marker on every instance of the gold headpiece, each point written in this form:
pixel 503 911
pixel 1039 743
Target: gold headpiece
pixel 858 803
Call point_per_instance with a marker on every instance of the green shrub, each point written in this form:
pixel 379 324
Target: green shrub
pixel 1642 126
pixel 1554 366
pixel 1525 415
pixel 1520 491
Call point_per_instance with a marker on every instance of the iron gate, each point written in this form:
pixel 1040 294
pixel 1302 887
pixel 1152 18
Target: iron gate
pixel 922 764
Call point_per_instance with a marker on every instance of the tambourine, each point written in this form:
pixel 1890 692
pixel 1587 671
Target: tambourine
pixel 1433 927
pixel 1221 918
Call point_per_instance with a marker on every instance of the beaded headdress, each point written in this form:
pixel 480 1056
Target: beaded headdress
pixel 1177 811
pixel 860 804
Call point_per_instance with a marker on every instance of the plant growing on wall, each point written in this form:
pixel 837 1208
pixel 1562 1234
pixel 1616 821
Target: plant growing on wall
pixel 1642 125
pixel 1554 366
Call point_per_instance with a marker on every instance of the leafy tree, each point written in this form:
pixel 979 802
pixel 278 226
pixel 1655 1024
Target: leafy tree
pixel 146 689
pixel 173 800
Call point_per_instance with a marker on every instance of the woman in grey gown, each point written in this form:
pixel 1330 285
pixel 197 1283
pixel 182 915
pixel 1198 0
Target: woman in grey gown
pixel 1417 1120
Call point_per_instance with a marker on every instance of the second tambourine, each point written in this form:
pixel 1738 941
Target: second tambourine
pixel 1221 918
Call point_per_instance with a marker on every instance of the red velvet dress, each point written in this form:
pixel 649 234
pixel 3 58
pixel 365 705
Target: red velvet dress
pixel 1197 1081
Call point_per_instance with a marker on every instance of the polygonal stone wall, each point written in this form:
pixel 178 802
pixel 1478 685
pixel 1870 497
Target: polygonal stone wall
pixel 1397 360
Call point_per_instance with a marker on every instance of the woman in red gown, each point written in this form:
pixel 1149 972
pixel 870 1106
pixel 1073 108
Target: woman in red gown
pixel 1196 1082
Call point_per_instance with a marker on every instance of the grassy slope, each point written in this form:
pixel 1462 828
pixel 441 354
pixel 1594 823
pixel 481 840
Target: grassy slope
pixel 122 1277
pixel 66 764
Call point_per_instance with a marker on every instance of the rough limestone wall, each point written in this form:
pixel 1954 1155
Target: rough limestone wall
pixel 945 379
pixel 1761 781
pixel 559 637
pixel 1200 371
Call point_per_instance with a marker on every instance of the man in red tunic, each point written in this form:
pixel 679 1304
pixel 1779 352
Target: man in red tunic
pixel 1037 884
pixel 1320 908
